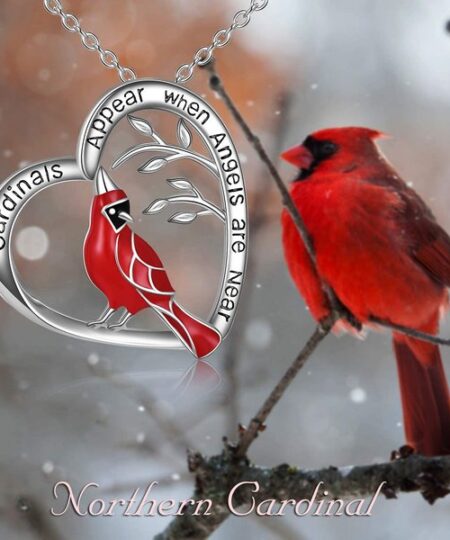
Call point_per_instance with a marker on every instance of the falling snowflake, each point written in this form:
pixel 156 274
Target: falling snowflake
pixel 258 334
pixel 358 395
pixel 93 359
pixel 48 467
pixel 140 437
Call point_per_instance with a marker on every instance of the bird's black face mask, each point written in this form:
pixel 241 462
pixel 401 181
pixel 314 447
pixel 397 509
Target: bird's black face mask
pixel 320 151
pixel 118 214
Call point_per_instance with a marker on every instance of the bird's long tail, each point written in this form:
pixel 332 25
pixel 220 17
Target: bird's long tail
pixel 199 337
pixel 425 395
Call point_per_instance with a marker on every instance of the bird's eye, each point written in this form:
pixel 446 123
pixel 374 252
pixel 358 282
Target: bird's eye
pixel 328 148
pixel 112 211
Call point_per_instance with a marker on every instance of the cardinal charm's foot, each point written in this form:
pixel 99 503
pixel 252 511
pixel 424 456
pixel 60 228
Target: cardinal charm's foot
pixel 121 322
pixel 107 313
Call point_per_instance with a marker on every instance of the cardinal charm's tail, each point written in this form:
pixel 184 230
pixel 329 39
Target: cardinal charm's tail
pixel 199 337
pixel 425 396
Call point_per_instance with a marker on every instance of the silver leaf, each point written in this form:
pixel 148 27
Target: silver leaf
pixel 156 206
pixel 184 135
pixel 183 218
pixel 180 183
pixel 141 125
pixel 153 165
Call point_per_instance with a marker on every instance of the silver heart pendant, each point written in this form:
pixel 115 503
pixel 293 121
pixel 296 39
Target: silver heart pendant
pixel 121 264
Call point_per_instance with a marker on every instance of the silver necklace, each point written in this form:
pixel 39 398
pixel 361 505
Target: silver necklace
pixel 184 73
pixel 135 278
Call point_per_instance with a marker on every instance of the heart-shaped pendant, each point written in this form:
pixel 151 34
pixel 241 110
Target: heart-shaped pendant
pixel 119 263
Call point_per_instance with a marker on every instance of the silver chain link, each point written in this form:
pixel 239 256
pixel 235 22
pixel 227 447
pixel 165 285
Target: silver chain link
pixel 220 39
pixel 89 40
pixel 184 72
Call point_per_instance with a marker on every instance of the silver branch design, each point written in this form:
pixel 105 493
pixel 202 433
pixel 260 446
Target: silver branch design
pixel 159 145
pixel 192 194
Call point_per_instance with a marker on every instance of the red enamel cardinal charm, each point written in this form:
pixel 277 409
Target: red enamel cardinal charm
pixel 131 275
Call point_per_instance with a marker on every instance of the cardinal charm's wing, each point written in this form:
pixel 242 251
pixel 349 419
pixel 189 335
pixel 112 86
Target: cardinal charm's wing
pixel 140 264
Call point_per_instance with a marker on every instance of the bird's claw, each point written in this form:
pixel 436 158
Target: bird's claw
pixel 114 327
pixel 95 324
pixel 347 315
pixel 121 323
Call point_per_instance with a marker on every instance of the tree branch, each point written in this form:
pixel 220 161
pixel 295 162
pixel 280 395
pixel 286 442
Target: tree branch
pixel 216 476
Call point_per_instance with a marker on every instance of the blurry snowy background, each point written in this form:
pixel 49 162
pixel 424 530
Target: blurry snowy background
pixel 84 412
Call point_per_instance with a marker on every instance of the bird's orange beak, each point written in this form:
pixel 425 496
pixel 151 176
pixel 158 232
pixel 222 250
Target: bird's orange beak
pixel 299 156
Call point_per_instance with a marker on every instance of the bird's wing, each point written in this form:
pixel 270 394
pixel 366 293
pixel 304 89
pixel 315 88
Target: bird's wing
pixel 429 243
pixel 140 264
pixel 434 256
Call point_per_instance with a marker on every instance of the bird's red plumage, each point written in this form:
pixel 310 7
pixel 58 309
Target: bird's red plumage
pixel 141 265
pixel 100 260
pixel 131 275
pixel 381 250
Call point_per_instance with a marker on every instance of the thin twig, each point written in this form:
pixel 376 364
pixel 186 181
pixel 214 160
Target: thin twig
pixel 258 221
pixel 258 421
pixel 288 203
pixel 218 87
pixel 422 336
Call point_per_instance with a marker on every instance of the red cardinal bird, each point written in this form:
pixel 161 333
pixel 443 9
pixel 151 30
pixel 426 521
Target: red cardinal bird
pixel 130 273
pixel 382 251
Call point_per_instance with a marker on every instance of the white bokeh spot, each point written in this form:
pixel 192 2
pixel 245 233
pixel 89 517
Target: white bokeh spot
pixel 32 243
pixel 258 334
pixel 358 395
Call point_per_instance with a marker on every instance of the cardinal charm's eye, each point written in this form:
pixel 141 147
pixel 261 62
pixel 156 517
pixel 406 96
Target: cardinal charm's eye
pixel 112 211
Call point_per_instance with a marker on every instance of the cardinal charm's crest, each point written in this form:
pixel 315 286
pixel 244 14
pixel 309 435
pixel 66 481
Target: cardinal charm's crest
pixel 124 266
